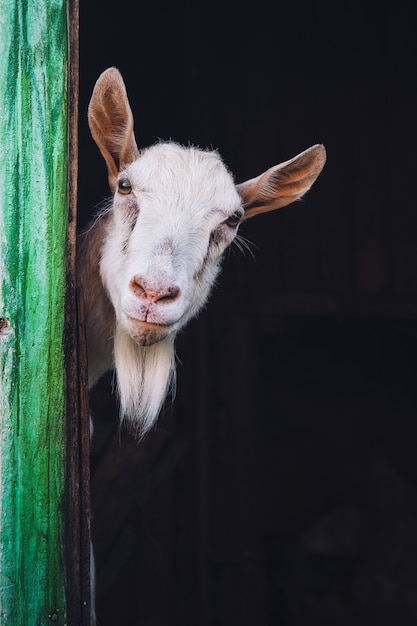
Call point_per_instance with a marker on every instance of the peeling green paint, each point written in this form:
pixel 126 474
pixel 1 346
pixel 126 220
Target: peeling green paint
pixel 33 180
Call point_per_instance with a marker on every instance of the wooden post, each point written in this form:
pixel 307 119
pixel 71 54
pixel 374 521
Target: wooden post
pixel 34 479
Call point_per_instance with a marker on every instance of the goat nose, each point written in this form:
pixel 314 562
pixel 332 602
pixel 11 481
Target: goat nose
pixel 154 291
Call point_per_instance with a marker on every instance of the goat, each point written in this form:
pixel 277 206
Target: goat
pixel 149 259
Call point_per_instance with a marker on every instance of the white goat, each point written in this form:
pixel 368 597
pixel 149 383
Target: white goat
pixel 149 259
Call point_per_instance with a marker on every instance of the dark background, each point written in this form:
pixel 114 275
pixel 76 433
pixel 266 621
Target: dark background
pixel 280 487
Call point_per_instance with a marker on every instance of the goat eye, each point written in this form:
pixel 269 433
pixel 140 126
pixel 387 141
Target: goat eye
pixel 125 186
pixel 234 220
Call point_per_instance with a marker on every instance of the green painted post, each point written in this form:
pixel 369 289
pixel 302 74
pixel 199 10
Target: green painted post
pixel 33 215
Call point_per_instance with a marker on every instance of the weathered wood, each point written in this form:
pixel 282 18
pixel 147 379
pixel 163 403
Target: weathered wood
pixel 33 215
pixel 77 513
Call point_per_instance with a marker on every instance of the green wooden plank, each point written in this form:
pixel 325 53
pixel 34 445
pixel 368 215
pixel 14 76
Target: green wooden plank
pixel 33 180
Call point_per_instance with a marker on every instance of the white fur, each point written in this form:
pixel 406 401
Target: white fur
pixel 144 377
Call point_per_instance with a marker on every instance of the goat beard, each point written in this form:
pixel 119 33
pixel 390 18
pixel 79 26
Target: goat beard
pixel 145 375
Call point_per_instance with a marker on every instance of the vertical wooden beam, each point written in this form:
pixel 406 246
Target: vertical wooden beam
pixel 77 512
pixel 33 217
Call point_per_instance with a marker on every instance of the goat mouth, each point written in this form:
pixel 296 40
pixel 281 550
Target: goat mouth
pixel 147 333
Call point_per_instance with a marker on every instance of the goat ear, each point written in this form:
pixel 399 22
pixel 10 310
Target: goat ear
pixel 283 183
pixel 111 123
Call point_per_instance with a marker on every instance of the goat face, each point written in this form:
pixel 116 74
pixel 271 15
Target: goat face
pixel 175 210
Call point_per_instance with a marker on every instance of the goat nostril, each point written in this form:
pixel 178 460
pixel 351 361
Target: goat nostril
pixel 171 293
pixel 137 288
pixel 154 292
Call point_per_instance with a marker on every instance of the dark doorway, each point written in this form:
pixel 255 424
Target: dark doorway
pixel 279 488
